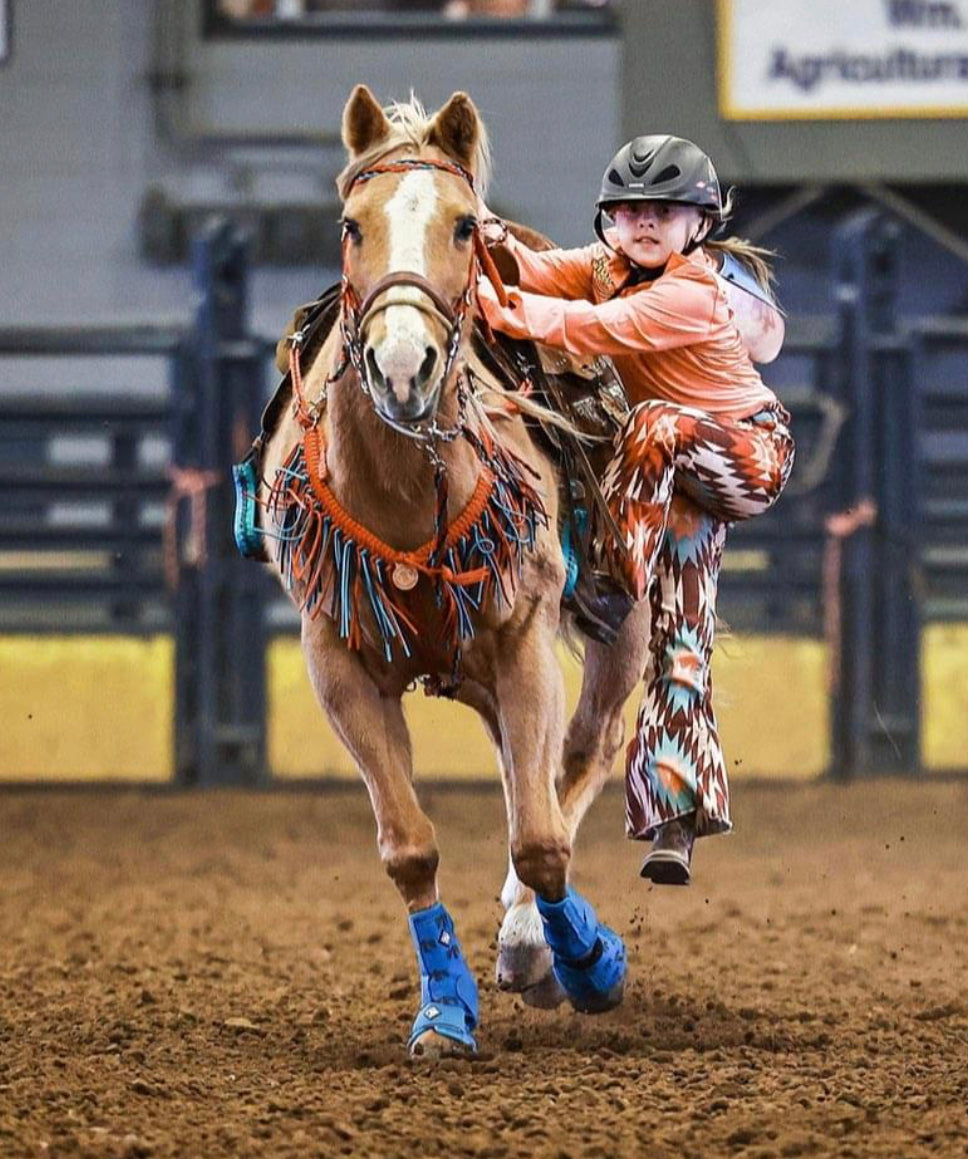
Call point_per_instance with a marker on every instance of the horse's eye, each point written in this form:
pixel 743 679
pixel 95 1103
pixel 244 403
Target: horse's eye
pixel 351 229
pixel 464 229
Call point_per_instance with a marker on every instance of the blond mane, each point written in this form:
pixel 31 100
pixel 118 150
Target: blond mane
pixel 410 127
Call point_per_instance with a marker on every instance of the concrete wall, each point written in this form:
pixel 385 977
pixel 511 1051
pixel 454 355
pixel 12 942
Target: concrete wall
pixel 550 102
pixel 81 141
pixel 74 119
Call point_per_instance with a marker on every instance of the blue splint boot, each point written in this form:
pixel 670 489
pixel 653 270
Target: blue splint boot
pixel 588 958
pixel 448 992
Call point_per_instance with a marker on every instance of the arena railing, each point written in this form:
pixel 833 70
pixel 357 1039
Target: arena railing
pixel 818 565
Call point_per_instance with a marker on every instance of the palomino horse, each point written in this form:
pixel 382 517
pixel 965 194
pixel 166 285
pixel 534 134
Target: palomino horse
pixel 417 530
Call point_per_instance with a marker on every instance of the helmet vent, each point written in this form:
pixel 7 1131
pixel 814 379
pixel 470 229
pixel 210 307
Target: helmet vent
pixel 639 162
pixel 670 173
pixel 615 177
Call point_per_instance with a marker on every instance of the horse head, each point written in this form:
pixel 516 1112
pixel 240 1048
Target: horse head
pixel 411 245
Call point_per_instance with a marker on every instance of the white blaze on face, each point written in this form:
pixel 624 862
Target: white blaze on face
pixel 409 213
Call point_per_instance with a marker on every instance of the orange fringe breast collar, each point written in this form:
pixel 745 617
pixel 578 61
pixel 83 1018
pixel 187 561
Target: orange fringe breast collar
pixel 332 564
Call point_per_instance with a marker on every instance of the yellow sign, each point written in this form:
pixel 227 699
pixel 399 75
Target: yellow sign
pixel 827 59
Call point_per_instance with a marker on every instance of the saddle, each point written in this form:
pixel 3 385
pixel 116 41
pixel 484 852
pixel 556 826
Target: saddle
pixel 588 394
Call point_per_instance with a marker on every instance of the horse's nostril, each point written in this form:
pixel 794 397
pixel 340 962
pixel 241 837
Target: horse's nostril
pixel 427 366
pixel 373 370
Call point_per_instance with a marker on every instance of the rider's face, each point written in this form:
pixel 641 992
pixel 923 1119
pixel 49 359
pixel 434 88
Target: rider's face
pixel 649 231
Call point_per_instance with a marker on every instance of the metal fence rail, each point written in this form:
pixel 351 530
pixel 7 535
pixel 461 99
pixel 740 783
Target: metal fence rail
pixel 88 533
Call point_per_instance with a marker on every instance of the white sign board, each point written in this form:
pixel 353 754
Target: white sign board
pixel 825 59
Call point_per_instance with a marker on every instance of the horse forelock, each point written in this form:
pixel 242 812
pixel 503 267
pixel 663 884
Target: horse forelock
pixel 410 128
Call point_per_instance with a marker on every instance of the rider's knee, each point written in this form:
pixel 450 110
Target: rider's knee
pixel 542 863
pixel 654 421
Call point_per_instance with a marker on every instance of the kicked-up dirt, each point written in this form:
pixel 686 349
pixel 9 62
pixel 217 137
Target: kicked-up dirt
pixel 231 974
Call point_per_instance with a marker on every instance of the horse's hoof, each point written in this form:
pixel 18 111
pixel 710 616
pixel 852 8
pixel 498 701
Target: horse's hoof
pixel 523 956
pixel 522 967
pixel 548 994
pixel 589 958
pixel 431 1047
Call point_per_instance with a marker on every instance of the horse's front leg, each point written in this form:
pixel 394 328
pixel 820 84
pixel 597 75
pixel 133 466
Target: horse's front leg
pixel 588 959
pixel 592 741
pixel 523 958
pixel 371 725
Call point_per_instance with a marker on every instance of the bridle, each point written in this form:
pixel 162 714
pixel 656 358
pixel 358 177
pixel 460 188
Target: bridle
pixel 355 313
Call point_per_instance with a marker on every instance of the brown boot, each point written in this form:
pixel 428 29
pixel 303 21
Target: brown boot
pixel 668 861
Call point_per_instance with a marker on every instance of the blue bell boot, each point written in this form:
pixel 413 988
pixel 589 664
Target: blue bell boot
pixel 588 957
pixel 448 992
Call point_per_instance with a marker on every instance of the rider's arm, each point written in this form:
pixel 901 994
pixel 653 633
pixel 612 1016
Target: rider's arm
pixel 559 273
pixel 677 311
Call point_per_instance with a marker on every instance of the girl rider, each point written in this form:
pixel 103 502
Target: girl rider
pixel 706 443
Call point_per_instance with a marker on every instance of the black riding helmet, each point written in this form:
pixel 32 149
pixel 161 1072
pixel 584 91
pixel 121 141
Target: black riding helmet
pixel 660 168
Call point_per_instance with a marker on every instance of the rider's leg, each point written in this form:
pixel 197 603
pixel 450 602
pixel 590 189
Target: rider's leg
pixel 676 783
pixel 731 470
pixel 734 469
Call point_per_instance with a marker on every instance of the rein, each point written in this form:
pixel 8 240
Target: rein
pixel 342 568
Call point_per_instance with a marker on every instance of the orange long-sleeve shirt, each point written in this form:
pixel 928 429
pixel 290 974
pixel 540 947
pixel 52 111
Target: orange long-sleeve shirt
pixel 674 338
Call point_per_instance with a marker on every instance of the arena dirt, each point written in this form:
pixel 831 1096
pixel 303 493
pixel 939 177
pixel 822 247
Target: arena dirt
pixel 231 974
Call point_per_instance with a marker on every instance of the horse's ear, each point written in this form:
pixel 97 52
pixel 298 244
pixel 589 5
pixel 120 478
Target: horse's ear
pixel 364 122
pixel 457 129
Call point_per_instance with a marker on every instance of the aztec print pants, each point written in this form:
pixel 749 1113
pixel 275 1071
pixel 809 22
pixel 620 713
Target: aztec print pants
pixel 678 479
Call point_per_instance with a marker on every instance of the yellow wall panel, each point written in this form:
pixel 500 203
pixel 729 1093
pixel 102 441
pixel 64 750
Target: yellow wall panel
pixel 100 708
pixel 770 697
pixel 944 717
pixel 86 708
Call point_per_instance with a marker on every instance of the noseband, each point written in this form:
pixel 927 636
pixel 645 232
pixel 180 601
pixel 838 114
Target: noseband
pixel 356 313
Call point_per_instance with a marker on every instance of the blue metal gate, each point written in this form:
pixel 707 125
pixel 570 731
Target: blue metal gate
pixel 139 543
pixel 871 540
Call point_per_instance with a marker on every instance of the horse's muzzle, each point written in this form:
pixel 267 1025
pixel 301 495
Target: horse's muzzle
pixel 401 396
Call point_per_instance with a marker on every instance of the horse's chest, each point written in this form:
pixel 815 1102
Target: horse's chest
pixel 419 607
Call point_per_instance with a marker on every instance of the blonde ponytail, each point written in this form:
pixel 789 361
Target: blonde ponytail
pixel 756 258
